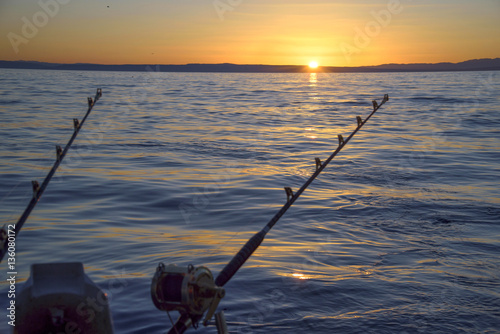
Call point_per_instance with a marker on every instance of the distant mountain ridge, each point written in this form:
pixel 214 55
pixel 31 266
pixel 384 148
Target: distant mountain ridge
pixel 486 64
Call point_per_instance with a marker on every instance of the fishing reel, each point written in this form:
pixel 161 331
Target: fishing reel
pixel 191 292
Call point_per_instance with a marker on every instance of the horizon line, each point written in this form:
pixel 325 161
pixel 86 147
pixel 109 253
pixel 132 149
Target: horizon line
pixel 236 64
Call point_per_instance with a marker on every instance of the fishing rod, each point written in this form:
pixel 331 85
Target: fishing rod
pixel 194 291
pixel 11 231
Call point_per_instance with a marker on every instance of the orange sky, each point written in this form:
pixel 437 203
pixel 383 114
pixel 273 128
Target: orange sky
pixel 292 32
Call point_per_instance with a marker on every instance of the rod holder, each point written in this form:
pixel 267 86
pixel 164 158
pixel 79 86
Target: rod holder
pixel 220 323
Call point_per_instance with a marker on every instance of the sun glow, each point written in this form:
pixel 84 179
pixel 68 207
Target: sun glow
pixel 313 65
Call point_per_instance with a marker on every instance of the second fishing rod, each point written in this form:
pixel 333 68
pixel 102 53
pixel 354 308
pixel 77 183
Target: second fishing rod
pixel 195 291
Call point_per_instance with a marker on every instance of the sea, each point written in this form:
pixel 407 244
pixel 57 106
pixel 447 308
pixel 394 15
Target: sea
pixel 400 233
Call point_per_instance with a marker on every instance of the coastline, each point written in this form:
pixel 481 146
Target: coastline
pixel 470 65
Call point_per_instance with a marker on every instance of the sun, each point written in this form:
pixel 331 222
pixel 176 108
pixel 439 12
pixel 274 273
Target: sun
pixel 313 65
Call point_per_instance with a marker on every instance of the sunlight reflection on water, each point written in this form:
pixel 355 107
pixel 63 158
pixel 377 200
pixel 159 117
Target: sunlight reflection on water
pixel 398 234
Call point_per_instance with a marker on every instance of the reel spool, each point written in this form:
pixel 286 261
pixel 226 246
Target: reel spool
pixel 190 292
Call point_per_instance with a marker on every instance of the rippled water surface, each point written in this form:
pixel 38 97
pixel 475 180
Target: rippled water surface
pixel 400 234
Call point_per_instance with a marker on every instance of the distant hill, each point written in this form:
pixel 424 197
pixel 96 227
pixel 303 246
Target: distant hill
pixel 469 65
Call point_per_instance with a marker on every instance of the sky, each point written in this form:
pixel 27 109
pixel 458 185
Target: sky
pixel 274 32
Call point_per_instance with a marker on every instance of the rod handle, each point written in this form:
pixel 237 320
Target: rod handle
pixel 239 259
